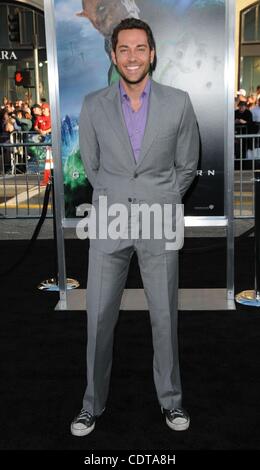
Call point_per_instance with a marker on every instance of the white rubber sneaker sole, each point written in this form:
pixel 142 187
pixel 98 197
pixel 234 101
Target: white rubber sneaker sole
pixel 178 427
pixel 81 432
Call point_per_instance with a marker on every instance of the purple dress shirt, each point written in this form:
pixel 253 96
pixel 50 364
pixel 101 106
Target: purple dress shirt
pixel 135 120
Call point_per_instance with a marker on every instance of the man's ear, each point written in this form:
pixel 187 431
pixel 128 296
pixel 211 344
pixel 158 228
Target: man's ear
pixel 152 56
pixel 113 57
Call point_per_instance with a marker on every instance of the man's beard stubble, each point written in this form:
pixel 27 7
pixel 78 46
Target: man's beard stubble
pixel 134 82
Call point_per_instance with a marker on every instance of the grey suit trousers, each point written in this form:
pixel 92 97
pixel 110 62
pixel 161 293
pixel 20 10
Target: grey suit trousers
pixel 107 274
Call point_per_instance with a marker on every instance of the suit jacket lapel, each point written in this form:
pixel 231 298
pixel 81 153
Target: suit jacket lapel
pixel 152 123
pixel 113 109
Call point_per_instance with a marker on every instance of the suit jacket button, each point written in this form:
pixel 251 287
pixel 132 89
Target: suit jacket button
pixel 135 175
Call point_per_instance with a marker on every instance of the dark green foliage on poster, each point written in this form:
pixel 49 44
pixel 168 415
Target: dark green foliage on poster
pixel 77 188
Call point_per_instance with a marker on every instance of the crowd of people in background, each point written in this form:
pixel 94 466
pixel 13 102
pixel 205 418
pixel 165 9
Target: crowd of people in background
pixel 19 116
pixel 247 121
pixel 22 123
pixel 247 110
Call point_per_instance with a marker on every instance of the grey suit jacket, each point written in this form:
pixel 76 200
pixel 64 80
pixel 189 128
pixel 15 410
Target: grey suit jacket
pixel 168 158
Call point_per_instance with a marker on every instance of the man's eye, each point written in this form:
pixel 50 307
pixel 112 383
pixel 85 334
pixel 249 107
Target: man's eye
pixel 101 8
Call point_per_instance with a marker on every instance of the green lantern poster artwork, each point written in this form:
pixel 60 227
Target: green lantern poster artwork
pixel 190 39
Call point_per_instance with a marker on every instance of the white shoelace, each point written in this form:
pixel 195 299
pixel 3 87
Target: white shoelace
pixel 84 414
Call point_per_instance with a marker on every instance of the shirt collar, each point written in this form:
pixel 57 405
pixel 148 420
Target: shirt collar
pixel 145 92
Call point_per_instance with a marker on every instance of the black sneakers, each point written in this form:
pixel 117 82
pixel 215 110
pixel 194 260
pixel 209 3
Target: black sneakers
pixel 177 419
pixel 83 424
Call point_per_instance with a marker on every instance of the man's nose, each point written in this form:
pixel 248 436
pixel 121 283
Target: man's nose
pixel 131 56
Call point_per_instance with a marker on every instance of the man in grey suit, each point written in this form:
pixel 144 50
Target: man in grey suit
pixel 139 143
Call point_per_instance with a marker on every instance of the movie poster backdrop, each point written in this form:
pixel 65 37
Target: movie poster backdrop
pixel 190 39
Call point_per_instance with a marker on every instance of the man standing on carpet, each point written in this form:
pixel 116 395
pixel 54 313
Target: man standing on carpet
pixel 139 143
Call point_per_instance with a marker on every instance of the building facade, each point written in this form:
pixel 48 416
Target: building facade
pixel 22 34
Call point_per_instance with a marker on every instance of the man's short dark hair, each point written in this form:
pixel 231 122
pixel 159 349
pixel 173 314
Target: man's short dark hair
pixel 134 23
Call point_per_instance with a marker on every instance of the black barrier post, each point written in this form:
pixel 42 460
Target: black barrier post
pixel 257 234
pixel 52 284
pixel 252 297
pixel 56 271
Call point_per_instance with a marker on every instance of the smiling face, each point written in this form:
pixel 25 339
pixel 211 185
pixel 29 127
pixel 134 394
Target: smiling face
pixel 133 55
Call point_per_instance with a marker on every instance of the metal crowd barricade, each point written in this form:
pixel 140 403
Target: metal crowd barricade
pixel 22 164
pixel 247 149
